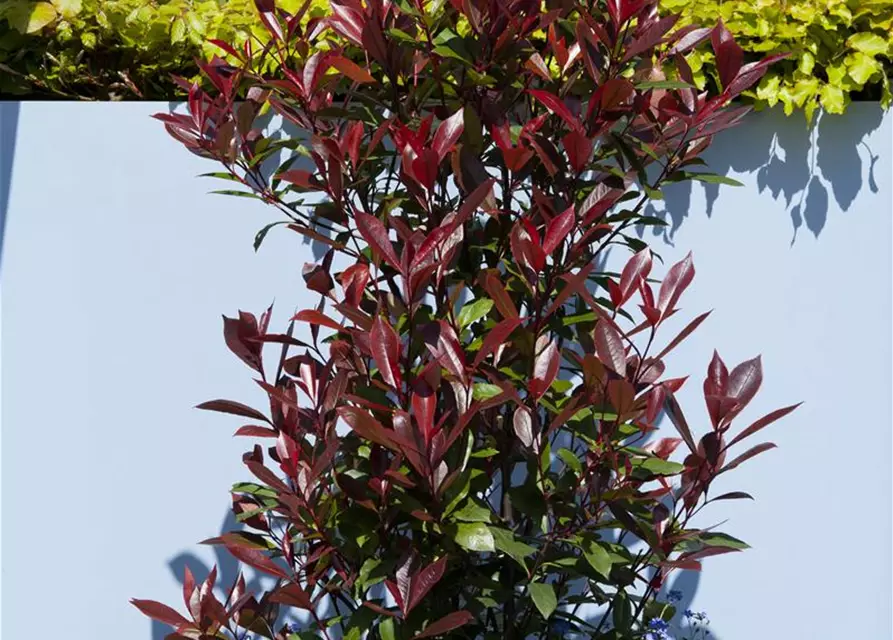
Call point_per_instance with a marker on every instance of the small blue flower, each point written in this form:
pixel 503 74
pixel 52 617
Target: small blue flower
pixel 674 596
pixel 657 624
pixel 689 613
pixel 294 627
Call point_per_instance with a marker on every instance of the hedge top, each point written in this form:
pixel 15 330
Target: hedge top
pixel 128 49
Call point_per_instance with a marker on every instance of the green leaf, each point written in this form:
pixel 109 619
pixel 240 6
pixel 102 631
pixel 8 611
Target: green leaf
pixel 570 459
pixel 722 540
pixel 598 558
pixel 474 311
pixel 28 17
pixel 474 537
pixel 484 391
pixel 834 100
pixel 67 8
pixel 861 67
pixel 471 511
pixel 712 178
pixel 544 598
pixel 262 234
pixel 386 629
pixel 506 542
pixel 868 43
pixel 178 31
pixel 660 467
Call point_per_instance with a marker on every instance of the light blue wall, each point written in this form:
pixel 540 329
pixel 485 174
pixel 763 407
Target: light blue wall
pixel 117 265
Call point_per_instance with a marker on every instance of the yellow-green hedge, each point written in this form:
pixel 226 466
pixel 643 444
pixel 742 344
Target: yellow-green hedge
pixel 842 48
pixel 130 47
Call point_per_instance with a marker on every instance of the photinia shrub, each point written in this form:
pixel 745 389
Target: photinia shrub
pixel 467 445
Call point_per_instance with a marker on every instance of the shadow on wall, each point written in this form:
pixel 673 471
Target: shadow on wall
pixel 806 166
pixel 9 121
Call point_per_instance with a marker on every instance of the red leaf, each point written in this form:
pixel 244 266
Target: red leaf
pixel 449 351
pixel 318 318
pixel 677 280
pixel 352 139
pixel 447 623
pixel 523 426
pixel 386 350
pixel 636 270
pixel 256 431
pixel 614 93
pixel 747 455
pixel 351 69
pixel 365 425
pixel 496 337
pixel 423 405
pixel 579 149
pixel 765 421
pixel 674 412
pixel 555 105
pixel 422 582
pixel 558 229
pixel 292 595
pixel 496 290
pixel 744 382
pixel 354 280
pixel 750 74
pixel 267 10
pixel 609 347
pixel 375 233
pixel 733 495
pixel 301 178
pixel 234 408
pixel 729 55
pixel 691 326
pixel 447 134
pixel 160 612
pixel 688 38
pixel 545 366
pixel 256 559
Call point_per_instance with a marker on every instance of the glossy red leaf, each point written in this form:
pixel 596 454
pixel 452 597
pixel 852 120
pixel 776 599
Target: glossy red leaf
pixel 747 455
pixel 365 425
pixel 545 367
pixel 256 559
pixel 609 346
pixel 351 69
pixel 448 351
pixel 497 293
pixel 375 233
pixel 318 318
pixel 751 73
pixel 292 595
pixel 386 350
pixel 688 38
pixel 495 338
pixel 556 106
pixel 729 55
pixel 682 335
pixel 256 431
pixel 353 281
pixel 717 376
pixel 634 273
pixel 160 612
pixel 447 134
pixel 234 408
pixel 422 582
pixel 558 229
pixel 763 422
pixel 579 148
pixel 352 139
pixel 424 403
pixel 445 624
pixel 674 413
pixel 522 424
pixel 677 280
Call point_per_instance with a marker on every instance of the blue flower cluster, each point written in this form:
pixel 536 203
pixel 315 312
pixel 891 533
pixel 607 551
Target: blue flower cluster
pixel 658 629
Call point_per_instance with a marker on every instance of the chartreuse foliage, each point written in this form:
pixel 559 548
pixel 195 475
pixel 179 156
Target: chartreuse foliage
pixel 840 48
pixel 465 440
pixel 106 49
